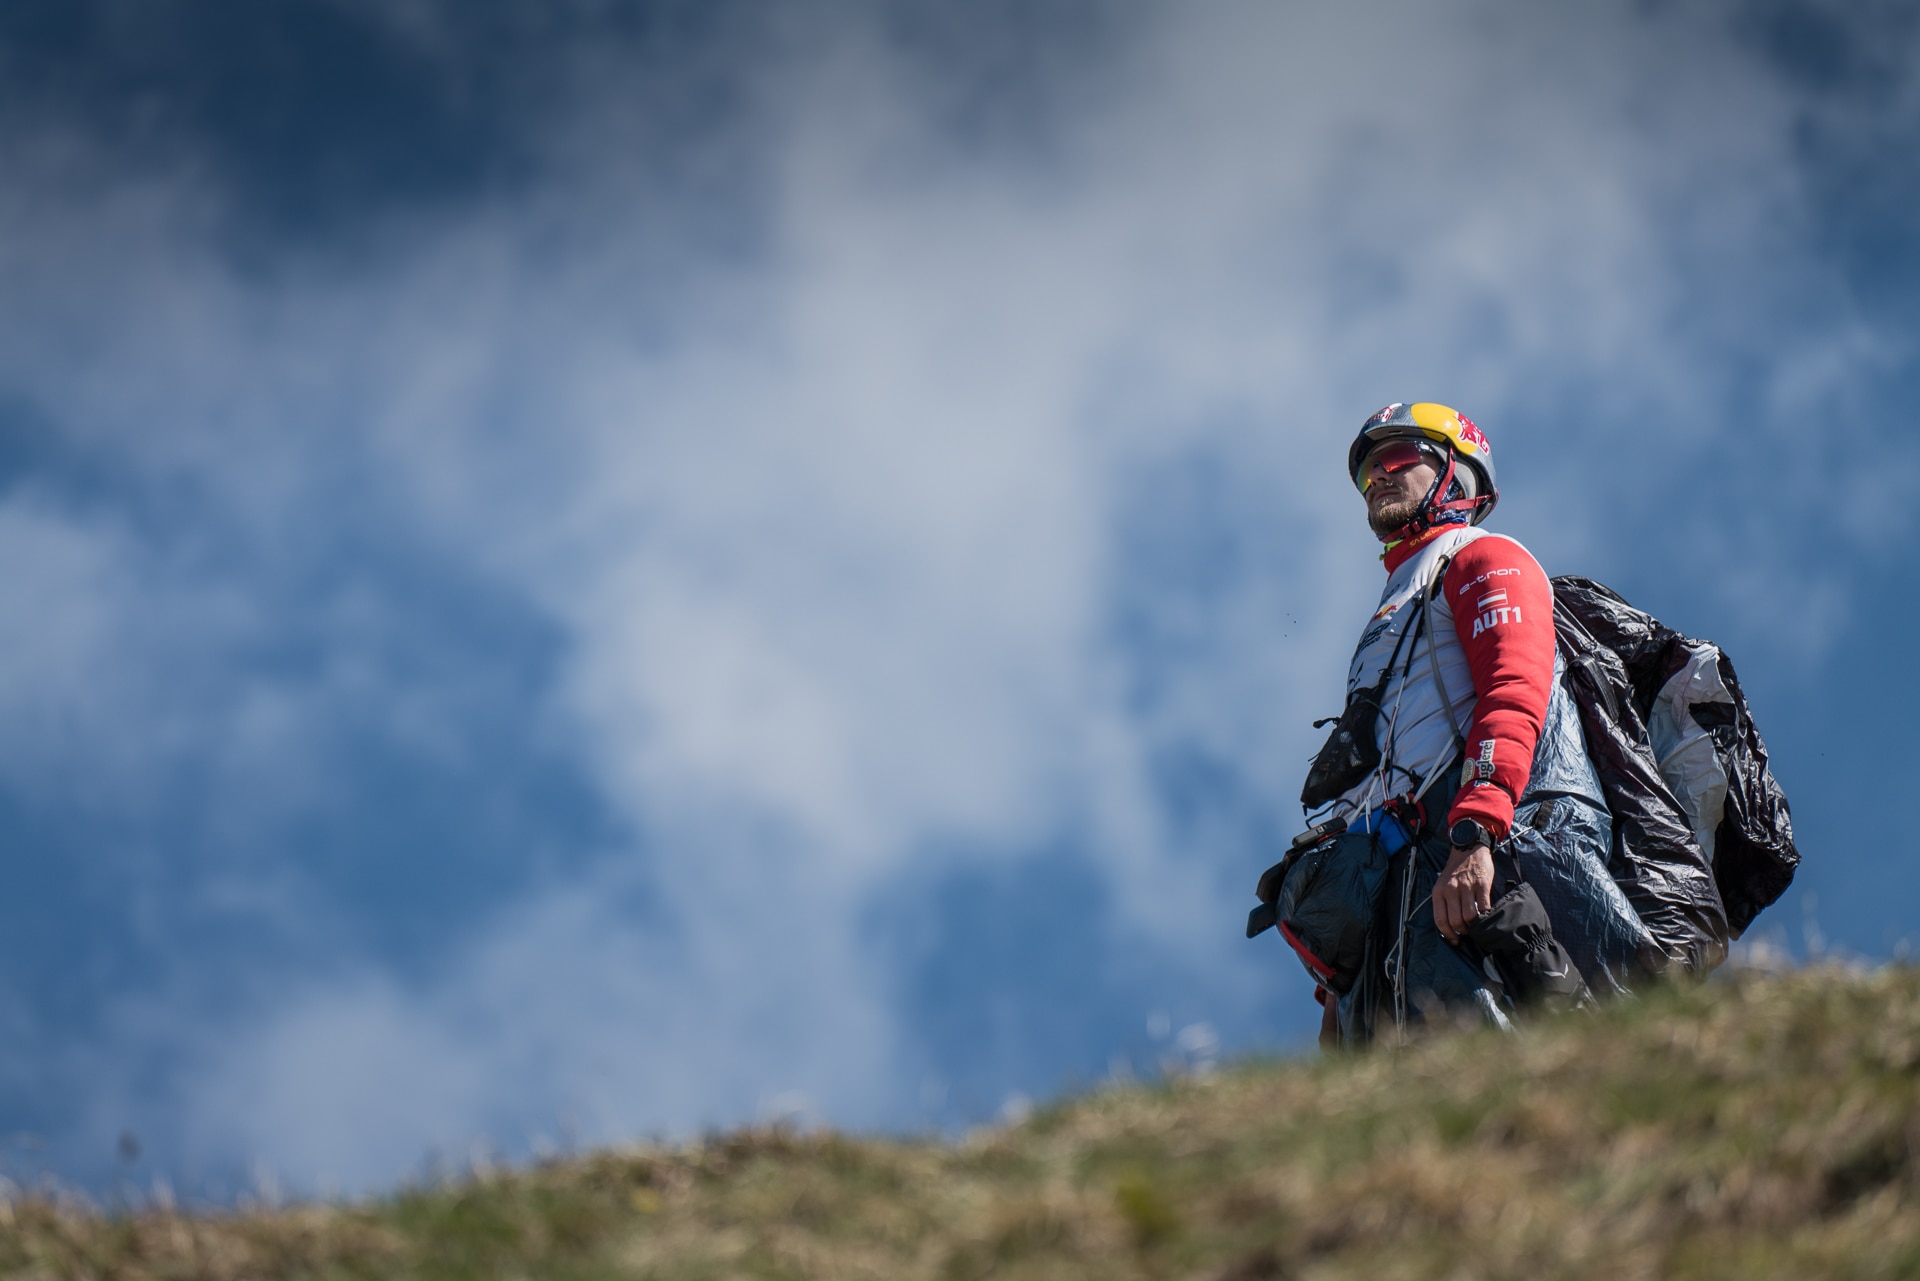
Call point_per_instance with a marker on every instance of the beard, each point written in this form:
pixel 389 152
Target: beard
pixel 1390 516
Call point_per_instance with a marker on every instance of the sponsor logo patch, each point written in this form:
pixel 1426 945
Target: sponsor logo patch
pixel 1492 573
pixel 1480 768
pixel 1495 617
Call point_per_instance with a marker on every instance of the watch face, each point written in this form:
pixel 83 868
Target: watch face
pixel 1467 833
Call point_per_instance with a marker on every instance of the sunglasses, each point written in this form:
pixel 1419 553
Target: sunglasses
pixel 1392 457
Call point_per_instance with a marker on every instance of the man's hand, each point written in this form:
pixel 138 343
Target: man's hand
pixel 1464 890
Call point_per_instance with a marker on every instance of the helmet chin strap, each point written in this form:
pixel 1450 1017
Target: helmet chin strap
pixel 1430 513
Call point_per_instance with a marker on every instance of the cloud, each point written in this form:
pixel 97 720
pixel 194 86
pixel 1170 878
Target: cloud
pixel 567 1025
pixel 878 500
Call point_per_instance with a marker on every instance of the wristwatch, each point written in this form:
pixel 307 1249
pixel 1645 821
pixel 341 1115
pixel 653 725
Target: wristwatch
pixel 1467 833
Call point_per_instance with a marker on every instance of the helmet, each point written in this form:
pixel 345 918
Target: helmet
pixel 1448 432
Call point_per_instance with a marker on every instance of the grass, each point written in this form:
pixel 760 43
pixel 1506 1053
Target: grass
pixel 1761 1126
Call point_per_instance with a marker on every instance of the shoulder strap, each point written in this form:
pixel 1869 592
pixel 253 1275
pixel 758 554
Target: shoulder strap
pixel 1380 684
pixel 1433 657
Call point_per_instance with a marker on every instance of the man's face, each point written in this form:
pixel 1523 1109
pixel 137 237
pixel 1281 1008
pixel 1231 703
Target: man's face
pixel 1397 475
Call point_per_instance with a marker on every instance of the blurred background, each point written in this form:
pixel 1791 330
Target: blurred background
pixel 586 570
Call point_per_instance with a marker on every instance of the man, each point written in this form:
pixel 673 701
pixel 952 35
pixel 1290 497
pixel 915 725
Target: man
pixel 1427 474
pixel 1450 687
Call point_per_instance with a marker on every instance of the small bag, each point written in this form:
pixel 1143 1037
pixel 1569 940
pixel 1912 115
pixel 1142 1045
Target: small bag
pixel 1322 897
pixel 1263 918
pixel 1351 751
pixel 1518 936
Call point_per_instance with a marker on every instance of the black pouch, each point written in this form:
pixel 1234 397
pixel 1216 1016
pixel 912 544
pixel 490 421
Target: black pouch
pixel 1264 917
pixel 1323 902
pixel 1351 751
pixel 1534 968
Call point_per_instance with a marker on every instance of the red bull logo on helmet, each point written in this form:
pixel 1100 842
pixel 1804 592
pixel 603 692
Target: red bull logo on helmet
pixel 1443 421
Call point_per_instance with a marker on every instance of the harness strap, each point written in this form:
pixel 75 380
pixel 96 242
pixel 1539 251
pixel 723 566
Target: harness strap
pixel 1407 905
pixel 1440 685
pixel 1427 593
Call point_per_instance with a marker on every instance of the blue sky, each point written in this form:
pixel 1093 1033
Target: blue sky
pixel 588 571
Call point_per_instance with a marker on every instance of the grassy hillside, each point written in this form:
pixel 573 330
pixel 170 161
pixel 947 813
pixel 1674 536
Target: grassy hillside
pixel 1757 1127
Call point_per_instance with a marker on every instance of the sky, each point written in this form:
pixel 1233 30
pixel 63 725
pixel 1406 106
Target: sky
pixel 584 572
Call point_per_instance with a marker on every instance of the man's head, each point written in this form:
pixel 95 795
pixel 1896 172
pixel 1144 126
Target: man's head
pixel 1421 465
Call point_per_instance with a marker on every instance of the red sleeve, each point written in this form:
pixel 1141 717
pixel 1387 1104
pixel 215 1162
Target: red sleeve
pixel 1503 612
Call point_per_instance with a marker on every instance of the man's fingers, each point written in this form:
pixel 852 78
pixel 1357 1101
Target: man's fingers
pixel 1457 901
pixel 1463 893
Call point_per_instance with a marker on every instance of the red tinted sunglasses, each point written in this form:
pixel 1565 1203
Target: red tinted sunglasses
pixel 1394 456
